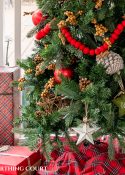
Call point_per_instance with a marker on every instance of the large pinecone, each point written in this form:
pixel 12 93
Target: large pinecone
pixel 112 61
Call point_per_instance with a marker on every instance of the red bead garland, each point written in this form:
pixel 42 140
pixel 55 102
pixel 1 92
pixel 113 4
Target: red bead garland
pixel 86 50
pixel 43 32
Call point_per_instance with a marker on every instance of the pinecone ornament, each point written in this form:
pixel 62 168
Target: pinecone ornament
pixel 112 61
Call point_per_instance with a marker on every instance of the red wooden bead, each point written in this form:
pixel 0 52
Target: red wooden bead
pixel 48 26
pixel 92 52
pixel 112 40
pixel 67 34
pixel 105 45
pixel 69 39
pixel 97 51
pixel 117 31
pixel 39 35
pixel 102 49
pixel 64 30
pixel 114 36
pixel 43 33
pixel 81 47
pixel 120 27
pixel 77 44
pixel 46 30
pixel 86 50
pixel 73 42
pixel 123 23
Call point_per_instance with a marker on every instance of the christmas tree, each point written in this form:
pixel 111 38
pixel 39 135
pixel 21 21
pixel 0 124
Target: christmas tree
pixel 74 80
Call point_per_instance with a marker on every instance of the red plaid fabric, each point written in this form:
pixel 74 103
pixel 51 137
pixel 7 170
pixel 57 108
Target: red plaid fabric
pixel 91 160
pixel 6 118
pixel 116 144
pixel 7 106
pixel 5 80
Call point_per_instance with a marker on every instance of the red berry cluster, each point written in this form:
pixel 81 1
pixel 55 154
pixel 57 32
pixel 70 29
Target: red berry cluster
pixel 86 50
pixel 43 32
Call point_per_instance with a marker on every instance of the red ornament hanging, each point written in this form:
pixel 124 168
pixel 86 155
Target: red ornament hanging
pixel 66 72
pixel 38 17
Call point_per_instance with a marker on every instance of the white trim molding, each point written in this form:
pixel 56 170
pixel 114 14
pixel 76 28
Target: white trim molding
pixel 17 30
pixel 1 32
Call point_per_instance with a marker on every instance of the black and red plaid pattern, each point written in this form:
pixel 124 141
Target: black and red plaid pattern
pixel 6 109
pixel 6 118
pixel 92 160
pixel 5 80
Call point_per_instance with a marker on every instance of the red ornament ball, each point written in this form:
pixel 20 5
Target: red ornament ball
pixel 37 17
pixel 66 72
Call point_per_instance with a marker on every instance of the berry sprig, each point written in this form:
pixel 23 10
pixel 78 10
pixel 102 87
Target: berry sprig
pixel 98 3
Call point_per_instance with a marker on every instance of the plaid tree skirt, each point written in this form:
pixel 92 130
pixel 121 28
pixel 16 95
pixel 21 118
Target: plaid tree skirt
pixel 91 160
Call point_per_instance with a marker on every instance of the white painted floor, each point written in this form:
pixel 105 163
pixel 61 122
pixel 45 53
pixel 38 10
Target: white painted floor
pixel 26 43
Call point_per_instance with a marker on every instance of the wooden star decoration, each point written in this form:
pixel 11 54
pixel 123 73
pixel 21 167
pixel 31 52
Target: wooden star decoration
pixel 120 103
pixel 85 133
